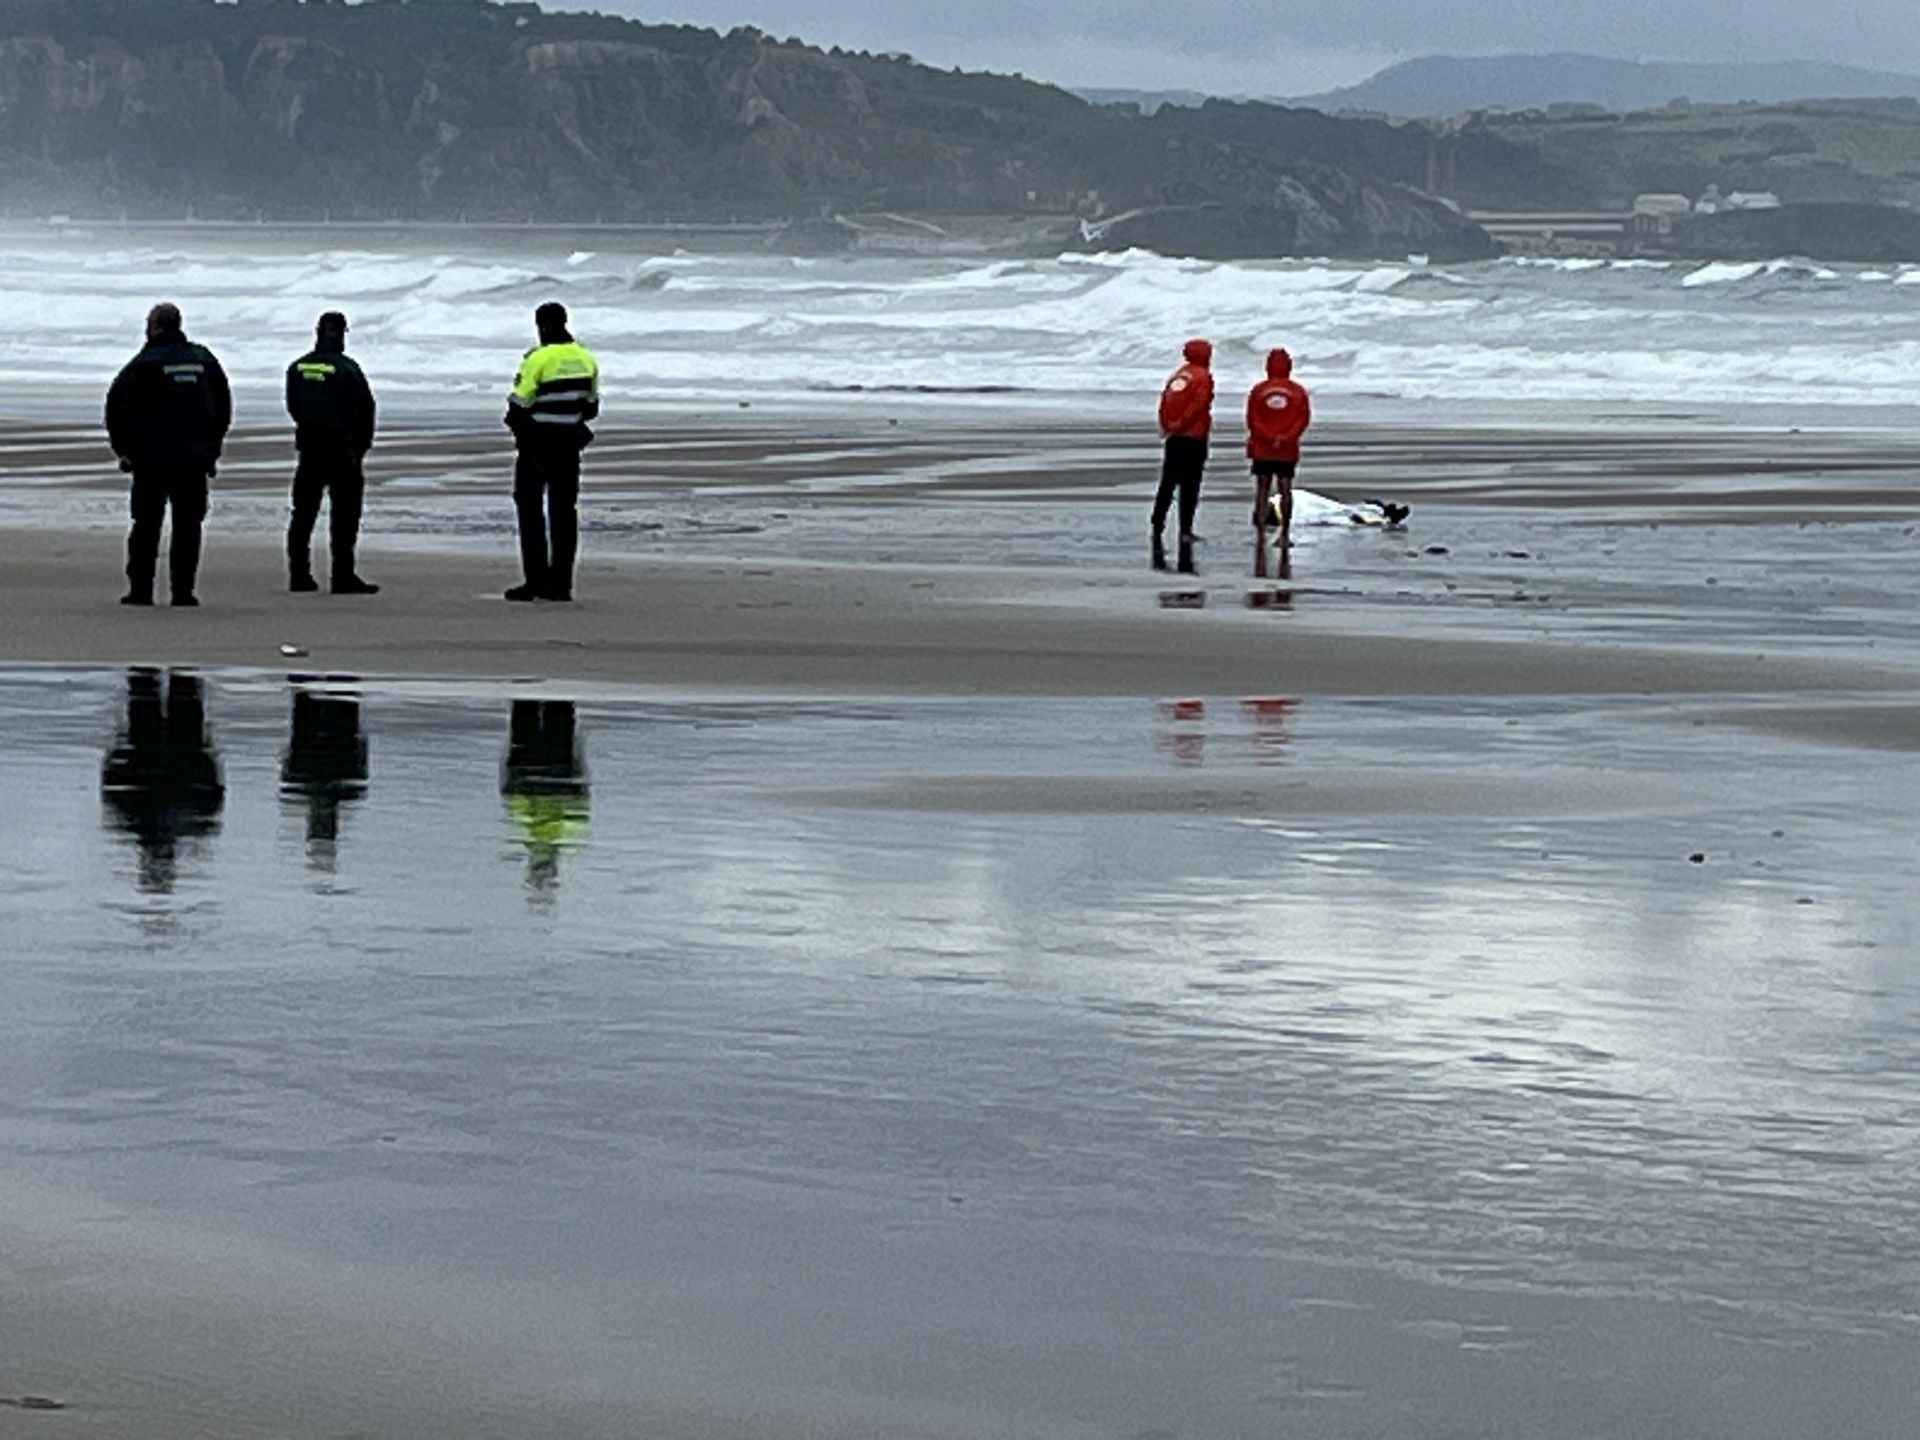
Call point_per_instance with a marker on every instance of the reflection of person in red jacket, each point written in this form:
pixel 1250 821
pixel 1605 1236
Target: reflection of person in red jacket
pixel 1278 414
pixel 1186 419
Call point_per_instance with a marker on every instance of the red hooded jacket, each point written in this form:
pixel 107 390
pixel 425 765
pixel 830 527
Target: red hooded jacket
pixel 1186 405
pixel 1278 412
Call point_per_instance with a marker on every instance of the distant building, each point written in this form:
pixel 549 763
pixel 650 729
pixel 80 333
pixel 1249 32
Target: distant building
pixel 1710 203
pixel 1751 200
pixel 1654 214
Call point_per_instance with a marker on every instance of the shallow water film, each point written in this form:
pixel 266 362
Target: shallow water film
pixel 954 1067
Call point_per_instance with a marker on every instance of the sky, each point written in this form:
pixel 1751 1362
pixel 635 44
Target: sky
pixel 1267 47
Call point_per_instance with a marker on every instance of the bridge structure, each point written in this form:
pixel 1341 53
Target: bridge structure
pixel 1612 231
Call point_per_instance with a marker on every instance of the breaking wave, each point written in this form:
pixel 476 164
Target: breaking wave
pixel 441 321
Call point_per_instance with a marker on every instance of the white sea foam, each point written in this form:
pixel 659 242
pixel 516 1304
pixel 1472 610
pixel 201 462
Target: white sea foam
pixel 439 320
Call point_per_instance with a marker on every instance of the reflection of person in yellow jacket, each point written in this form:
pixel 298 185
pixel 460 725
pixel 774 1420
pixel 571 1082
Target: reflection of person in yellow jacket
pixel 556 395
pixel 544 781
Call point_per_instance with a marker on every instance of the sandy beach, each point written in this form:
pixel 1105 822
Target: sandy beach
pixel 751 625
pixel 955 557
pixel 902 1019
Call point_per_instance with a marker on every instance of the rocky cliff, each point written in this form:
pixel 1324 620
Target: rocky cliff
pixel 448 109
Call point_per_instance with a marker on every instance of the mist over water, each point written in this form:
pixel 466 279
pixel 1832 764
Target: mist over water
pixel 439 319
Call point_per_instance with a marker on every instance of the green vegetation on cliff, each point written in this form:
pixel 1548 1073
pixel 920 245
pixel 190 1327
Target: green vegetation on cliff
pixel 1822 152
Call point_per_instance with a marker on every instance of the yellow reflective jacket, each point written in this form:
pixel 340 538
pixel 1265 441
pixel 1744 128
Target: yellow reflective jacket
pixel 555 393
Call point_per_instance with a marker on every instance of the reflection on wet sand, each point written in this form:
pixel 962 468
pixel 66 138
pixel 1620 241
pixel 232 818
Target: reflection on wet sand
pixel 544 780
pixel 1183 738
pixel 325 765
pixel 1275 562
pixel 161 780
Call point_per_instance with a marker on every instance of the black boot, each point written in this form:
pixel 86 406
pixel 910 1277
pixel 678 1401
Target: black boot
pixel 1159 551
pixel 1186 555
pixel 301 581
pixel 353 585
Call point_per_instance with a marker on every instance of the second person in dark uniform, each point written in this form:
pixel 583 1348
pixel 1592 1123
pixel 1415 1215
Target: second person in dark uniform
pixel 333 417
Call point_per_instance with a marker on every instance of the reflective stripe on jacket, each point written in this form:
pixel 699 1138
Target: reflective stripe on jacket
pixel 558 385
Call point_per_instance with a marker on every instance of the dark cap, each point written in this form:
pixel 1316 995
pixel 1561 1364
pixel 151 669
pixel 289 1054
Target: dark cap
pixel 333 320
pixel 551 316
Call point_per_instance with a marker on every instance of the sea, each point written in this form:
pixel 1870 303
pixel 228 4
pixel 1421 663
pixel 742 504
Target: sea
pixel 439 316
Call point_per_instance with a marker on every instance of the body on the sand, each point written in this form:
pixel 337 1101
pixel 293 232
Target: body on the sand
pixel 333 424
pixel 168 413
pixel 556 395
pixel 1186 421
pixel 1278 413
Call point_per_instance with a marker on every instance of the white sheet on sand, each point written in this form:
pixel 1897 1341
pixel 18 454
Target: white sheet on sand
pixel 1310 508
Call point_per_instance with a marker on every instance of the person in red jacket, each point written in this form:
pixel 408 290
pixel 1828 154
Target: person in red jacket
pixel 1186 419
pixel 1278 413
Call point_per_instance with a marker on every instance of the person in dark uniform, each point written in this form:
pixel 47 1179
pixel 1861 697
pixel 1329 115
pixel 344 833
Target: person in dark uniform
pixel 555 395
pixel 168 414
pixel 544 782
pixel 325 766
pixel 161 781
pixel 333 413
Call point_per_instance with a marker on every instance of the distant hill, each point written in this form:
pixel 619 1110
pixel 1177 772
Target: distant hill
pixel 1451 85
pixel 1146 101
pixel 465 109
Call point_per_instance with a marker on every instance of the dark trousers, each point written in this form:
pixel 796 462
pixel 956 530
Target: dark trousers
pixel 546 488
pixel 342 482
pixel 1180 473
pixel 153 491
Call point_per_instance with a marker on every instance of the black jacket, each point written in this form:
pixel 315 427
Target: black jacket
pixel 331 404
pixel 170 409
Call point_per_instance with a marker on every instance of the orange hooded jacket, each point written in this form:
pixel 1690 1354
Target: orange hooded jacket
pixel 1186 405
pixel 1278 412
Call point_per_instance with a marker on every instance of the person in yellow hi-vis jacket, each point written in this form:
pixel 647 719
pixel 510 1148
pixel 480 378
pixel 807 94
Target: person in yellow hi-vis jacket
pixel 555 396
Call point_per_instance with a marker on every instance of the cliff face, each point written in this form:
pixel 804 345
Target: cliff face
pixel 486 111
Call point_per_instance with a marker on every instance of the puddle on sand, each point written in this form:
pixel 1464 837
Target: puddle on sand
pixel 1132 1116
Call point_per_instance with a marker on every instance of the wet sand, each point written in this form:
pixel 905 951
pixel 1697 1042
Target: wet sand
pixel 916 1056
pixel 937 1067
pixel 748 625
pixel 1379 794
pixel 1650 466
pixel 1893 727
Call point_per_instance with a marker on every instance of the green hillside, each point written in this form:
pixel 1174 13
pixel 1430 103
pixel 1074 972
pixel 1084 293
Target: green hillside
pixel 1808 153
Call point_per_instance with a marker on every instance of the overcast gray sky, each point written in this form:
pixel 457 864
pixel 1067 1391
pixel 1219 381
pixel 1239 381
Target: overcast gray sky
pixel 1267 47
